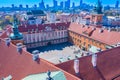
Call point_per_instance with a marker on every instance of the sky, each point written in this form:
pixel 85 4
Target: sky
pixel 7 3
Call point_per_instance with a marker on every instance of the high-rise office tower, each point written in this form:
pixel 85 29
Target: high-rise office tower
pixel 117 4
pixel 42 5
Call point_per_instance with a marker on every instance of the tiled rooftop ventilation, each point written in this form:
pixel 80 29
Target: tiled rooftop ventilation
pixel 94 60
pixel 8 33
pixel 101 31
pixel 109 29
pixel 19 47
pixel 7 41
pixel 7 78
pixel 35 55
pixel 76 66
pixel 93 28
pixel 83 26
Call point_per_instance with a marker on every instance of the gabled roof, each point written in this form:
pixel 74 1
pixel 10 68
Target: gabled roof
pixel 20 65
pixel 42 26
pixel 106 37
pixel 108 63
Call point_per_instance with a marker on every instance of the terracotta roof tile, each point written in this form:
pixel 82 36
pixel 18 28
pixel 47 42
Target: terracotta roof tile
pixel 19 66
pixel 42 26
pixel 108 63
pixel 109 38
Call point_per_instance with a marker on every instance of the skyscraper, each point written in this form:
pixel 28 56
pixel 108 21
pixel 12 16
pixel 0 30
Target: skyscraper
pixel 81 2
pixel 20 6
pixel 61 4
pixel 117 4
pixel 73 5
pixel 47 6
pixel 67 4
pixel 42 5
pixel 55 4
pixel 35 6
pixel 27 6
pixel 13 6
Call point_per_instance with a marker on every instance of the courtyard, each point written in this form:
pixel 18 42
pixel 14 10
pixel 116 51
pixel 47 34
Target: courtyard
pixel 58 53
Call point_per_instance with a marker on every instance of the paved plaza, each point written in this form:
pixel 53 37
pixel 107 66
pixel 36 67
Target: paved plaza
pixel 59 53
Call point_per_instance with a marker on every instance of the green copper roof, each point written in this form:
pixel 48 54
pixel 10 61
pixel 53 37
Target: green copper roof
pixel 56 75
pixel 16 35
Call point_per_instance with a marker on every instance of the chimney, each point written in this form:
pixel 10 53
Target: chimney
pixel 7 41
pixel 35 55
pixel 109 29
pixel 101 31
pixel 93 28
pixel 94 60
pixel 76 67
pixel 8 33
pixel 7 78
pixel 19 47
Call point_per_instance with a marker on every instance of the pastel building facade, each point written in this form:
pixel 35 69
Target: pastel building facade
pixel 43 35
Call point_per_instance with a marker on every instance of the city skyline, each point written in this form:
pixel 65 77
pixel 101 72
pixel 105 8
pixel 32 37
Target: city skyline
pixel 8 3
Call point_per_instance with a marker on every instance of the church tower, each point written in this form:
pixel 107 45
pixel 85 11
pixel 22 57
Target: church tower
pixel 16 36
pixel 96 16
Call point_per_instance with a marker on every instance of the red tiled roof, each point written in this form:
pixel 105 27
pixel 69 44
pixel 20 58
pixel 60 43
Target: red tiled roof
pixel 108 66
pixel 4 34
pixel 109 38
pixel 19 66
pixel 42 26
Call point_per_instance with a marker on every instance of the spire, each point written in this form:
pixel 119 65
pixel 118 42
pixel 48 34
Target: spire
pixel 98 7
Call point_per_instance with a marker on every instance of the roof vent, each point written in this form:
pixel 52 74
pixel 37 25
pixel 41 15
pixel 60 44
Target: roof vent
pixel 94 60
pixel 93 28
pixel 109 29
pixel 7 41
pixel 35 55
pixel 83 26
pixel 7 78
pixel 101 31
pixel 19 47
pixel 76 66
pixel 8 33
